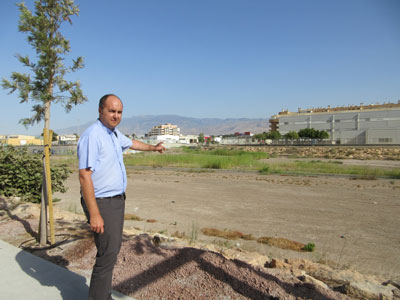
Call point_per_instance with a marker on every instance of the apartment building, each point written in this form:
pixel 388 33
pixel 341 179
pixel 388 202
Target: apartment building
pixel 165 129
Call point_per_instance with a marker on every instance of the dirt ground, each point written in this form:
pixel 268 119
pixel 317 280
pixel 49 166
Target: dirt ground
pixel 354 224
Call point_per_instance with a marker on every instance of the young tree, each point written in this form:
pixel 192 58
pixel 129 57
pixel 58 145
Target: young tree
pixel 274 135
pixel 323 135
pixel 201 138
pixel 260 136
pixel 311 133
pixel 307 133
pixel 47 85
pixel 292 135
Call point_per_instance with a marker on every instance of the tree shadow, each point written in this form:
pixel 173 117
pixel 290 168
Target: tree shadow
pixel 28 228
pixel 239 285
pixel 48 270
pixel 69 284
pixel 141 246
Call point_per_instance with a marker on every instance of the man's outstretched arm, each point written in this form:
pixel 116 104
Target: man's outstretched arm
pixel 138 145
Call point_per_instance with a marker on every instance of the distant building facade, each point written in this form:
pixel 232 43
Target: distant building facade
pixel 168 134
pixel 166 138
pixel 67 139
pixel 188 139
pixel 362 124
pixel 165 129
pixel 20 140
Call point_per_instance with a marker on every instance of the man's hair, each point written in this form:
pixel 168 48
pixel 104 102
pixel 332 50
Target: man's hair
pixel 104 98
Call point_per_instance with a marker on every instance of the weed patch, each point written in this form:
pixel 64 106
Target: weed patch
pixel 179 235
pixel 264 170
pixel 282 243
pixel 226 234
pixel 132 217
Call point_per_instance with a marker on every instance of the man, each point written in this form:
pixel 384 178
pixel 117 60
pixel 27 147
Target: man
pixel 102 176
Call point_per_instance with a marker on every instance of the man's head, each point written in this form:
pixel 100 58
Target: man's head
pixel 110 111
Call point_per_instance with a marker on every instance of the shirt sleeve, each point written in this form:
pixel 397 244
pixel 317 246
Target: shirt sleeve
pixel 124 142
pixel 88 151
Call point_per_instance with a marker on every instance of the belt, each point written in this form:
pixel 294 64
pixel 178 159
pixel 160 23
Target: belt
pixel 112 197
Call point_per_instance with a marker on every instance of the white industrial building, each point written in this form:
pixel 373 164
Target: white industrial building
pixel 155 139
pixel 65 139
pixel 363 124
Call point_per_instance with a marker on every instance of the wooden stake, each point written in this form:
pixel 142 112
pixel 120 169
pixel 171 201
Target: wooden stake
pixel 47 135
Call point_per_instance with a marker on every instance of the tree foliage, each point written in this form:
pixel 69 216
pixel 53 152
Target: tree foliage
pixel 21 174
pixel 272 135
pixel 311 133
pixel 45 82
pixel 201 138
pixel 291 135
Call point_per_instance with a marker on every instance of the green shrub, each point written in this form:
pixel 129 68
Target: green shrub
pixel 21 174
pixel 264 170
pixel 309 247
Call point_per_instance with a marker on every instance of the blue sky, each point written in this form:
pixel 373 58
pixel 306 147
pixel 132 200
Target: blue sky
pixel 218 58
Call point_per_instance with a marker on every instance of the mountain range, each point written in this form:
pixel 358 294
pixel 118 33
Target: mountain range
pixel 209 126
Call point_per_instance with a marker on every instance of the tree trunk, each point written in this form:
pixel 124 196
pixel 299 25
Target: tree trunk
pixel 43 211
pixel 47 114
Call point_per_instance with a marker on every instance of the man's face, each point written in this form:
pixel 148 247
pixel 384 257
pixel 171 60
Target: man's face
pixel 111 113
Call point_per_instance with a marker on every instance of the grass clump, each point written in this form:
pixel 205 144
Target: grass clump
pixel 225 152
pixel 132 217
pixel 213 165
pixel 178 234
pixel 199 171
pixel 282 243
pixel 264 170
pixel 227 234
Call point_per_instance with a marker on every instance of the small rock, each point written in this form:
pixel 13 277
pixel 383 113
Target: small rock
pixel 156 240
pixel 276 264
pixel 394 283
pixel 309 279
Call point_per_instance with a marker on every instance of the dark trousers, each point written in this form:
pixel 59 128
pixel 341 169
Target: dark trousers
pixel 108 245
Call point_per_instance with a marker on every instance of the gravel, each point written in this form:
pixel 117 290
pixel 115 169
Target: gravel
pixel 148 271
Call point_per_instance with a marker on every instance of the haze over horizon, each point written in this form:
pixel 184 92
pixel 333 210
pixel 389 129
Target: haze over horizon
pixel 218 59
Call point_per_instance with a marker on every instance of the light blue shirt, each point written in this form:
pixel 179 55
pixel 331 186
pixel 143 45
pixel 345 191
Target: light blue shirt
pixel 100 149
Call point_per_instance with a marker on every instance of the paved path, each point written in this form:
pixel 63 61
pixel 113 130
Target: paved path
pixel 26 276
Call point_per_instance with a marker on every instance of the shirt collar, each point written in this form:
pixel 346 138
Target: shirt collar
pixel 108 130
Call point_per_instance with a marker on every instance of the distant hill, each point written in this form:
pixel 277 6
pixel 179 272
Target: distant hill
pixel 209 126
